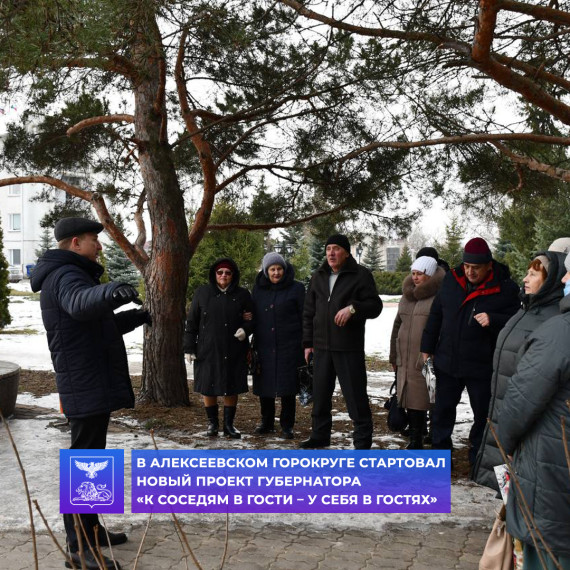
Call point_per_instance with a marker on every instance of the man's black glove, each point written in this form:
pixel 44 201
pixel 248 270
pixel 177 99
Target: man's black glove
pixel 145 317
pixel 126 293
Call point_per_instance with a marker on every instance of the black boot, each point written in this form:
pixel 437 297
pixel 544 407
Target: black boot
pixel 287 417
pixel 229 429
pixel 417 419
pixel 213 422
pixel 267 424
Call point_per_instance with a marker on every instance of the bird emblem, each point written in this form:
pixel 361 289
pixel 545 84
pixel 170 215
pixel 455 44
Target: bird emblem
pixel 91 468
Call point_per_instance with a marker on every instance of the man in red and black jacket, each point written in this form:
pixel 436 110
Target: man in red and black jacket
pixel 475 301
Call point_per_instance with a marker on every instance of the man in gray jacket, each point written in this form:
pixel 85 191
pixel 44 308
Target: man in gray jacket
pixel 342 295
pixel 529 429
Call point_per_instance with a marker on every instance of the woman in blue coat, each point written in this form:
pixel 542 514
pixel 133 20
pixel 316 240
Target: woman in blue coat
pixel 278 305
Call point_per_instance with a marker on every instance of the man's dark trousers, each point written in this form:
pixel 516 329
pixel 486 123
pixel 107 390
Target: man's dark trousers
pixel 350 368
pixel 447 397
pixel 86 433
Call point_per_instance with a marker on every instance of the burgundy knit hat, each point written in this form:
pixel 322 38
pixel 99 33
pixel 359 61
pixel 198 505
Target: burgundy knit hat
pixel 225 265
pixel 477 251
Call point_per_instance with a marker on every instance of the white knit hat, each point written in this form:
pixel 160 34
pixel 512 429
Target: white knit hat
pixel 561 245
pixel 425 264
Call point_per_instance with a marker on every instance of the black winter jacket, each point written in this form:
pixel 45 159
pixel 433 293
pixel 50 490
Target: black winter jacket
pixel 530 429
pixel 84 335
pixel 536 309
pixel 461 347
pixel 278 333
pixel 354 286
pixel 220 368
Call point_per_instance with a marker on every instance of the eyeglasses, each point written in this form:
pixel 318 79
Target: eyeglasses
pixel 224 272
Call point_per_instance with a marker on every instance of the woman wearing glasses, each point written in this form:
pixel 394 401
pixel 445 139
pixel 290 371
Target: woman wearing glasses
pixel 215 338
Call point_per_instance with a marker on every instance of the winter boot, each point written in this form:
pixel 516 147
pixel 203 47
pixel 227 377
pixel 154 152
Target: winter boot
pixel 267 424
pixel 417 419
pixel 229 429
pixel 213 422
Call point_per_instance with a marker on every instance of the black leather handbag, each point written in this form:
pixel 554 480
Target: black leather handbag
pixel 397 417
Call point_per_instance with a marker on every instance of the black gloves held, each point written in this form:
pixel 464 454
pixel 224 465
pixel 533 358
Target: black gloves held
pixel 126 293
pixel 145 317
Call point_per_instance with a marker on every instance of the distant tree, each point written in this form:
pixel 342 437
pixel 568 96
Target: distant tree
pixel 119 266
pixel 46 242
pixel 451 250
pixel 5 318
pixel 405 260
pixel 372 257
pixel 300 257
pixel 316 252
pixel 418 239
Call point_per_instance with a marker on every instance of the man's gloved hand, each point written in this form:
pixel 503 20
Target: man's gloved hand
pixel 126 293
pixel 146 318
pixel 190 358
pixel 240 334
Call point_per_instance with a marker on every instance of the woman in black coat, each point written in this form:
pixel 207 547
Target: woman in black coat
pixel 215 338
pixel 278 301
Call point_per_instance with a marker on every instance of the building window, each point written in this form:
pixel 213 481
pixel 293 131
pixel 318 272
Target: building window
pixel 15 256
pixel 15 222
pixel 15 190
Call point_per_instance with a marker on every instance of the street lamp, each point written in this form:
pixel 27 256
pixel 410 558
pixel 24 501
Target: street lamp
pixel 359 250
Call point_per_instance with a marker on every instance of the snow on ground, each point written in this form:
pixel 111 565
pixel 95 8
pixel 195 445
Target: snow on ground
pixel 39 444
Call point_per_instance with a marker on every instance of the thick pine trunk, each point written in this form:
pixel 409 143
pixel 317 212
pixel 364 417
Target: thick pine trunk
pixel 166 275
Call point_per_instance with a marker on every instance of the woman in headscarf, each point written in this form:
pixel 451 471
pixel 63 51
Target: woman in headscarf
pixel 530 428
pixel 418 291
pixel 541 294
pixel 217 328
pixel 278 301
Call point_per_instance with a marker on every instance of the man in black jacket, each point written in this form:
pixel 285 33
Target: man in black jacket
pixel 475 301
pixel 87 350
pixel 341 296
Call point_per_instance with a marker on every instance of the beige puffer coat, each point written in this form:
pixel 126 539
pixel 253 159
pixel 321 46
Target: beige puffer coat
pixel 413 312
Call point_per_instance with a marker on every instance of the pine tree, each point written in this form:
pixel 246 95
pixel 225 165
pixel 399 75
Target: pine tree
pixel 316 253
pixel 5 318
pixel 300 257
pixel 46 242
pixel 405 260
pixel 372 257
pixel 451 250
pixel 119 266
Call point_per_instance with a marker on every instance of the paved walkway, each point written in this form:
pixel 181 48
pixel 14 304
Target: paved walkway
pixel 273 547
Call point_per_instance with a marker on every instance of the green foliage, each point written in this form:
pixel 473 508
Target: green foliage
pixel 390 282
pixel 244 247
pixel 102 260
pixel 405 260
pixel 119 266
pixel 451 250
pixel 528 226
pixel 300 258
pixel 5 318
pixel 372 257
pixel 46 242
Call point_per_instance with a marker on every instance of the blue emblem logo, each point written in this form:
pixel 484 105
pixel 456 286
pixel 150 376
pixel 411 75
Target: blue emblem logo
pixel 91 481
